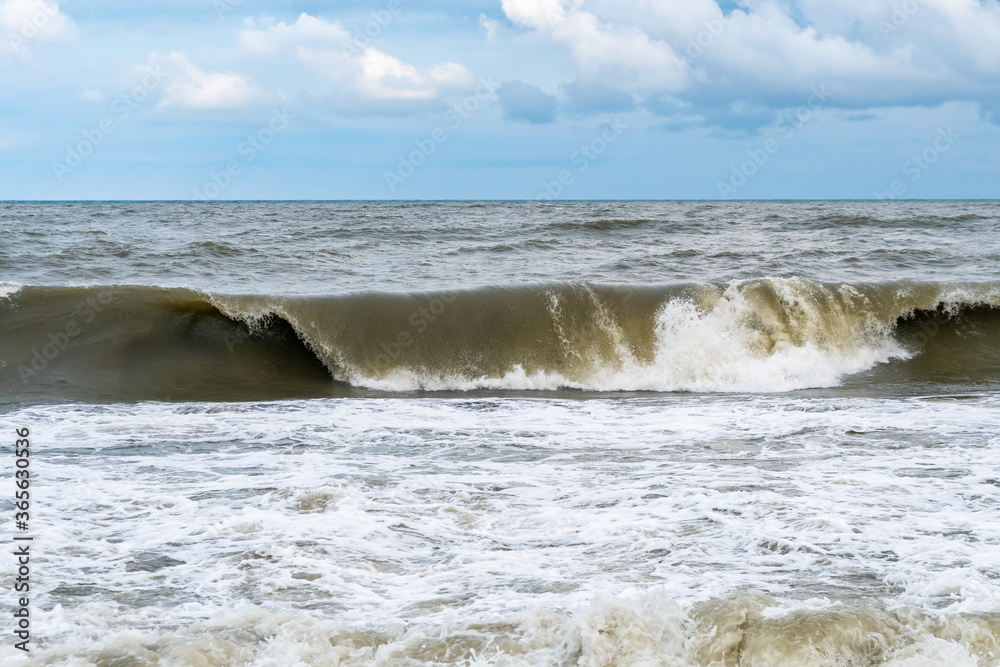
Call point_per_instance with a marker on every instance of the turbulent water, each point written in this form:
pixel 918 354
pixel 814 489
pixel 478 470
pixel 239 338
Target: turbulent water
pixel 492 433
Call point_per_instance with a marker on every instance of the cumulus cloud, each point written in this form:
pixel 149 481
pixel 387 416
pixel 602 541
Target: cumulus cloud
pixel 27 22
pixel 769 53
pixel 363 76
pixel 622 57
pixel 188 86
pixel 524 102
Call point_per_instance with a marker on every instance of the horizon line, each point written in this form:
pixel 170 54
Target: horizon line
pixel 471 200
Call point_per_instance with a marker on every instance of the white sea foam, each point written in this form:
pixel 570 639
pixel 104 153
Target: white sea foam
pixel 8 290
pixel 722 347
pixel 514 531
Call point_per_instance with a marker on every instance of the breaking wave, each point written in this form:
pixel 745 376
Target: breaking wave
pixel 765 335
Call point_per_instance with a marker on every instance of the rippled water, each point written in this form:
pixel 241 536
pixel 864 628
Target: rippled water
pixel 331 248
pixel 635 433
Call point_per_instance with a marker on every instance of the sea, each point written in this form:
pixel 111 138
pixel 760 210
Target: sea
pixel 504 433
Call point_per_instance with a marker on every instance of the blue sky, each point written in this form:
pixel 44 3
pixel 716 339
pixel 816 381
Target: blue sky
pixel 512 99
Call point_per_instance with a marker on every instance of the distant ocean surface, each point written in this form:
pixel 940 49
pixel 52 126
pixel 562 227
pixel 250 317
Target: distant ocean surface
pixel 502 433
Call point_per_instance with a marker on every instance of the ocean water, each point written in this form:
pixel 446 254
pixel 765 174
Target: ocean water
pixel 496 433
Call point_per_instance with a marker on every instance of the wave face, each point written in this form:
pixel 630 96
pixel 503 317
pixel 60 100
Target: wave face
pixel 138 343
pixel 765 335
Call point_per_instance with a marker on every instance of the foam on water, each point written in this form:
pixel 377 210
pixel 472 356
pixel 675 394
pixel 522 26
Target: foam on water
pixel 511 531
pixel 765 335
pixel 848 526
pixel 7 290
pixel 721 348
pixel 648 629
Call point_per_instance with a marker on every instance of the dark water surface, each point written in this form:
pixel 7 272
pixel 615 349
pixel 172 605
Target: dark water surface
pixel 491 433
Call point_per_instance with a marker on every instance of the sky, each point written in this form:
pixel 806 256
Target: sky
pixel 505 99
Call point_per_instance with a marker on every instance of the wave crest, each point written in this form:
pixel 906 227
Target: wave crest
pixel 765 335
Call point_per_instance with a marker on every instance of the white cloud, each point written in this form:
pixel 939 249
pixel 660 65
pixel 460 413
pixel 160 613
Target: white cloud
pixel 27 22
pixel 537 14
pixel 492 26
pixel 360 73
pixel 621 57
pixel 188 86
pixel 869 52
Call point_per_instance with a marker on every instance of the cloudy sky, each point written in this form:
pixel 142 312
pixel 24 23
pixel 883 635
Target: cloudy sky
pixel 504 99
